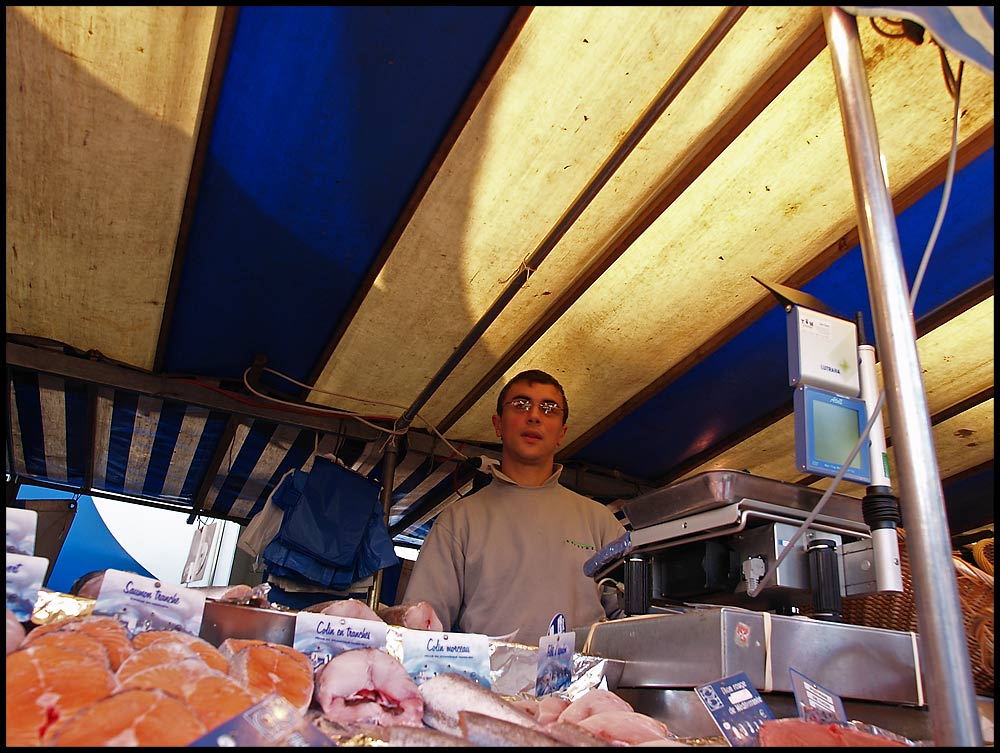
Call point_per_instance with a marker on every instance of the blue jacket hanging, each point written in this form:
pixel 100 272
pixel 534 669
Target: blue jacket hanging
pixel 333 532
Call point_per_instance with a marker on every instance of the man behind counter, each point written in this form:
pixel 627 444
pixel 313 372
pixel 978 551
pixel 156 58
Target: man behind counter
pixel 506 559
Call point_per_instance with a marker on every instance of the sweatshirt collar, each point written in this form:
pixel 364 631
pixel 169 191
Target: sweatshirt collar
pixel 550 481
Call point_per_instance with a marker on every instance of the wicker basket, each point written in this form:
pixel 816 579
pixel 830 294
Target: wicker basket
pixel 982 553
pixel 898 611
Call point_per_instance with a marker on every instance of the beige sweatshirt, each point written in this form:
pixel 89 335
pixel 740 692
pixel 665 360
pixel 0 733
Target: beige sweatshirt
pixel 509 558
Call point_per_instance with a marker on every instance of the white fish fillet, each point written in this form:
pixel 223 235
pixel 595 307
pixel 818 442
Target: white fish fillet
pixel 626 727
pixel 368 686
pixel 593 702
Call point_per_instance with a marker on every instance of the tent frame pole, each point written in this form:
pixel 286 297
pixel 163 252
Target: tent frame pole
pixel 943 649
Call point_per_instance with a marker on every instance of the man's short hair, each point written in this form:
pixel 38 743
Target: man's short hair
pixel 534 376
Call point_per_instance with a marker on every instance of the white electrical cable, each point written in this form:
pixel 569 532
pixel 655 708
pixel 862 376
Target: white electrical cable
pixel 925 260
pixel 344 414
pixel 946 195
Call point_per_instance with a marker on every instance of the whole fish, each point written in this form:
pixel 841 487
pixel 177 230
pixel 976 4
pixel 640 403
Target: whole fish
pixel 446 694
pixel 480 729
pixel 573 735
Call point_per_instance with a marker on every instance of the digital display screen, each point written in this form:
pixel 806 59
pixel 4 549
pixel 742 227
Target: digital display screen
pixel 827 426
pixel 838 431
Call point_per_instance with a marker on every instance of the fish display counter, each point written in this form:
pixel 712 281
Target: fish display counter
pixel 631 680
pixel 248 671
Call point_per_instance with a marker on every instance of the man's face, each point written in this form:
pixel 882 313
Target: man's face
pixel 531 435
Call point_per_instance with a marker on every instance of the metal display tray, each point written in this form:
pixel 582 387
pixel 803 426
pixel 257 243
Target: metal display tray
pixel 222 620
pixel 714 489
pixel 699 646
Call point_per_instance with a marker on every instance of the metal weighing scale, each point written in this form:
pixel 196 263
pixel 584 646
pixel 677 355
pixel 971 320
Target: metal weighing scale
pixel 686 564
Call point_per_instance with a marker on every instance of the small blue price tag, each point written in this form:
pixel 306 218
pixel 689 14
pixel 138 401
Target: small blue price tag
pixel 816 703
pixel 736 707
pixel 558 624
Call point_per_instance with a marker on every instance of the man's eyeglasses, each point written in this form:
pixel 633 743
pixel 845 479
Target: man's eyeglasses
pixel 523 405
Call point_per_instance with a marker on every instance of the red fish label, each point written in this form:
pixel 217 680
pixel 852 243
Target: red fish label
pixel 742 634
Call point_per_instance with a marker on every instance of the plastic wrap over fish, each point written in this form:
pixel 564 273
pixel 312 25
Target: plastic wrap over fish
pixel 514 667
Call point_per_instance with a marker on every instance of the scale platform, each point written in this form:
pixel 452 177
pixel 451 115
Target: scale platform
pixel 704 644
pixel 722 488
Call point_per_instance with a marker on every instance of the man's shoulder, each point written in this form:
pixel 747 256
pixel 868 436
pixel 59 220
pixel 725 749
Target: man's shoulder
pixel 472 499
pixel 582 499
pixel 587 505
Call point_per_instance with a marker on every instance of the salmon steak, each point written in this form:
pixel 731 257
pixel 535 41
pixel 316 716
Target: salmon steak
pixel 264 668
pixel 232 646
pixel 47 683
pixel 154 655
pixel 214 696
pixel 208 653
pixel 173 677
pixel 129 718
pixel 217 698
pixel 76 640
pixel 107 630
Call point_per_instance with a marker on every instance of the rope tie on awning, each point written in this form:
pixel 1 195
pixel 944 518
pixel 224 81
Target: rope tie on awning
pixel 522 267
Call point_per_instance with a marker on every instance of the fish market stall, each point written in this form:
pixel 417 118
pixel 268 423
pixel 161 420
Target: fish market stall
pixel 593 191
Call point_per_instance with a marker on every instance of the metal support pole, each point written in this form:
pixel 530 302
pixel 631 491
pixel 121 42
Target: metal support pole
pixel 388 474
pixel 944 656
